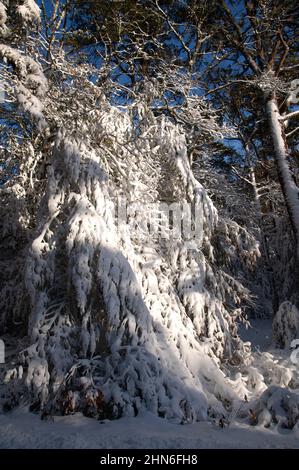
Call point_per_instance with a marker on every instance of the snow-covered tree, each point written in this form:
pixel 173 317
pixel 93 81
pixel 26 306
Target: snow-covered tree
pixel 123 306
pixel 122 284
pixel 255 80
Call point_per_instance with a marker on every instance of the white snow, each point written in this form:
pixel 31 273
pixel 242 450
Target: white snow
pixel 29 11
pixel 31 84
pixel 25 430
pixel 3 18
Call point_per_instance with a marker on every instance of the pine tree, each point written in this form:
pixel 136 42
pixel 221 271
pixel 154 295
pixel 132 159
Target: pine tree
pixel 133 265
pixel 136 315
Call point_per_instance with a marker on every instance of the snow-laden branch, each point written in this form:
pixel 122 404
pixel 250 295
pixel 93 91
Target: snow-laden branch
pixel 29 11
pixel 3 19
pixel 291 115
pixel 31 84
pixel 113 307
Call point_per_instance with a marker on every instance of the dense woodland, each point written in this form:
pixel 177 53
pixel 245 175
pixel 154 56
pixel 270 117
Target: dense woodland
pixel 149 105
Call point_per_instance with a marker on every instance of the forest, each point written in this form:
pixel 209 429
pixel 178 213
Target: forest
pixel 149 210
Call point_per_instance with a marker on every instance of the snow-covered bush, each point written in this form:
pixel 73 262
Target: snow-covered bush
pixel 285 325
pixel 277 407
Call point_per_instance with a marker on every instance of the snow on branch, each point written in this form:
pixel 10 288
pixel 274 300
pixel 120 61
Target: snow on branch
pixel 286 117
pixel 146 321
pixel 3 18
pixel 133 305
pixel 29 11
pixel 31 85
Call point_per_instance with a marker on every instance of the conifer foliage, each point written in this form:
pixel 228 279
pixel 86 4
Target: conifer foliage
pixel 110 304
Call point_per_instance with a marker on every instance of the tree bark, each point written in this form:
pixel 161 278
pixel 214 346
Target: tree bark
pixel 289 188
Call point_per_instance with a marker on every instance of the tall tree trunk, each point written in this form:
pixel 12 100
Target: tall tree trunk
pixel 263 240
pixel 289 188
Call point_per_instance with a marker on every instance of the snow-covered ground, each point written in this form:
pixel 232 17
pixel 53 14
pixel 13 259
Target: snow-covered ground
pixel 24 430
pixel 259 334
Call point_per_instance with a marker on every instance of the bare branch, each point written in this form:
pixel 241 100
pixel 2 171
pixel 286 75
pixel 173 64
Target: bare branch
pixel 292 132
pixel 294 114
